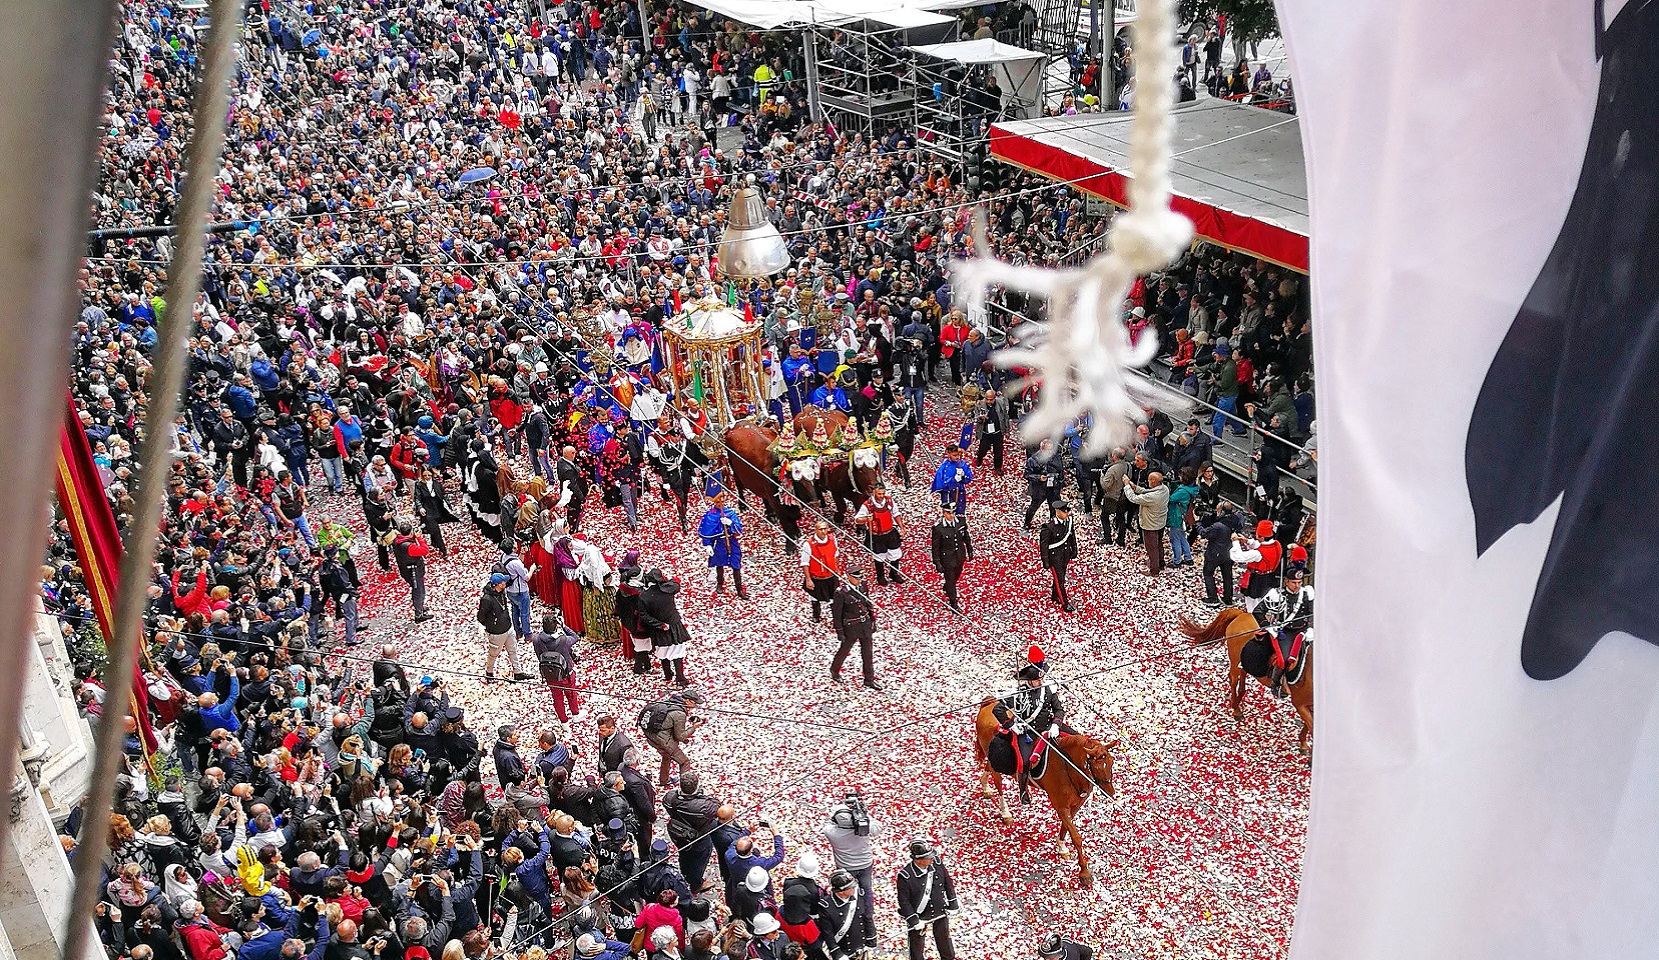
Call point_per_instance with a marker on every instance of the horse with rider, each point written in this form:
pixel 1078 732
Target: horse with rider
pixel 1024 735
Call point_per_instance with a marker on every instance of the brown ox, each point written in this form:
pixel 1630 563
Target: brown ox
pixel 838 475
pixel 756 469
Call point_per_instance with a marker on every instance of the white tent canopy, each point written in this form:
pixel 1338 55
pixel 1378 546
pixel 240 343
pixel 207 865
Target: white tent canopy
pixel 904 18
pixel 1019 71
pixel 978 52
pixel 772 14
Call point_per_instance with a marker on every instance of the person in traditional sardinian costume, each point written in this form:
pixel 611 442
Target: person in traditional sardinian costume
pixel 570 589
pixel 677 462
pixel 527 509
pixel 596 580
pixel 629 584
pixel 550 578
pixel 659 616
pixel 1261 558
pixel 453 368
pixel 721 529
pixel 882 534
pixel 483 497
pixel 898 428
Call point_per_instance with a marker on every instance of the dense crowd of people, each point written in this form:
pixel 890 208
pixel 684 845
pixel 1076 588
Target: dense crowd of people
pixel 419 348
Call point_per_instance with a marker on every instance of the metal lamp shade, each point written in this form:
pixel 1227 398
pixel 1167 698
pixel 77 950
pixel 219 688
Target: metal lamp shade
pixel 751 246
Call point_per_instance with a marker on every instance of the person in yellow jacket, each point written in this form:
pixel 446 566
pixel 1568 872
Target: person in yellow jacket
pixel 764 75
pixel 251 872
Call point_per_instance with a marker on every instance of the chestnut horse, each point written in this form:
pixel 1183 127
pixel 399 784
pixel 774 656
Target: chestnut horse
pixel 1069 779
pixel 1236 627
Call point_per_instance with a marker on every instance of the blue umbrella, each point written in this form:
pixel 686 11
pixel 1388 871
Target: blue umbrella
pixel 476 175
pixel 311 36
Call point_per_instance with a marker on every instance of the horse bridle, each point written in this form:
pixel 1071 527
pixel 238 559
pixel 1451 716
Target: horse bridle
pixel 1087 770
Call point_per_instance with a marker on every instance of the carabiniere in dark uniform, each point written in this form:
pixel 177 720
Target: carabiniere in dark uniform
pixel 1033 709
pixel 927 898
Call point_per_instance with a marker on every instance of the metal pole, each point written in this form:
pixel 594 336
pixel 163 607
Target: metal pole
pixel 54 58
pixel 644 31
pixel 1108 76
pixel 184 282
pixel 815 107
pixel 1095 26
pixel 161 230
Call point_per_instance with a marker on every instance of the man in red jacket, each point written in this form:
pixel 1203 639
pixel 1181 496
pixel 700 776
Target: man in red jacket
pixel 406 457
pixel 410 553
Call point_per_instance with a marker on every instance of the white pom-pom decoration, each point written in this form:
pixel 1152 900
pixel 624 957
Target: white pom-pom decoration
pixel 1082 355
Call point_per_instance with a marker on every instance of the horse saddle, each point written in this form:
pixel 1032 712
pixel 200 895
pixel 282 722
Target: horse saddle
pixel 1036 761
pixel 1000 755
pixel 1294 675
pixel 1256 657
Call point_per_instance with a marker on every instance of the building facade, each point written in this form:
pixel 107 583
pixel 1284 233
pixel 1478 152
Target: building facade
pixel 55 764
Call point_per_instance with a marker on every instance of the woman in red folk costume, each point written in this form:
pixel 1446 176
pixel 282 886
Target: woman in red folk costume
pixel 552 566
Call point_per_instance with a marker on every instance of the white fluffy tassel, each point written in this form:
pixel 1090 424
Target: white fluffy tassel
pixel 1082 355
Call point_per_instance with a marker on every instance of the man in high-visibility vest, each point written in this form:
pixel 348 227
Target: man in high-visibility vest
pixel 764 75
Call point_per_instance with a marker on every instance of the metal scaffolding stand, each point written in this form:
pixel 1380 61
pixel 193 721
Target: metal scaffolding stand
pixel 961 88
pixel 1061 28
pixel 862 67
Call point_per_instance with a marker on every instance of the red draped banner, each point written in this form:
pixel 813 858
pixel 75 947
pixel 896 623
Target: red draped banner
pixel 97 544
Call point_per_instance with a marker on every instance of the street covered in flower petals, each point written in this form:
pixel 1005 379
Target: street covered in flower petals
pixel 546 361
pixel 1197 856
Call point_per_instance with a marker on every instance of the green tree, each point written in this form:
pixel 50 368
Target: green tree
pixel 1248 21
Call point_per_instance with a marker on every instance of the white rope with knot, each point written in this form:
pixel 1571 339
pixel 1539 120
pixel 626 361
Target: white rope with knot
pixel 1081 356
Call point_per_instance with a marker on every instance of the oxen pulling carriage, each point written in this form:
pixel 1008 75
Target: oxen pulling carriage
pixel 820 458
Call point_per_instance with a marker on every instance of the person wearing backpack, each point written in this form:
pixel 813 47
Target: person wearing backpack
pixel 668 725
pixel 555 648
pixel 691 820
pixel 518 588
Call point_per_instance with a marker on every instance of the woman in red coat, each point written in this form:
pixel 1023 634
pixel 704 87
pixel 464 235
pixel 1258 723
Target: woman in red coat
pixel 507 412
pixel 950 342
pixel 196 600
